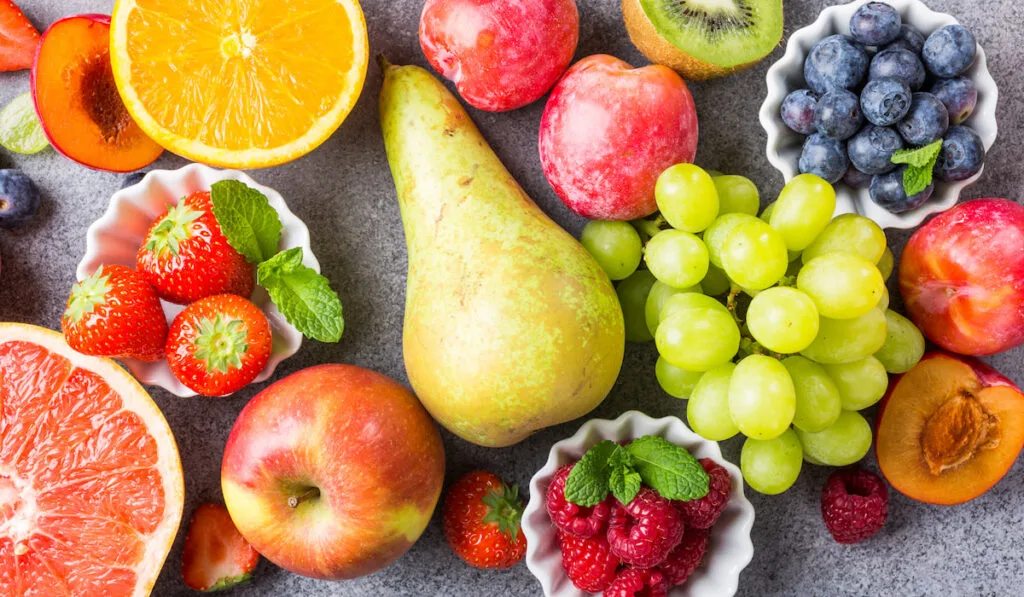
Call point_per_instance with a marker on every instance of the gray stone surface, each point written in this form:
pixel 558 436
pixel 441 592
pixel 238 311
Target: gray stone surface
pixel 344 192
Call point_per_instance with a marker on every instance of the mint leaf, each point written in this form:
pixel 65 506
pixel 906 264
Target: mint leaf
pixel 624 484
pixel 303 296
pixel 668 469
pixel 587 484
pixel 246 219
pixel 920 163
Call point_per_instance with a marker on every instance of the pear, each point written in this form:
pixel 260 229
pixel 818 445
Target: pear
pixel 510 325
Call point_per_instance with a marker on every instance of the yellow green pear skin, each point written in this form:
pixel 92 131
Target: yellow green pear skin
pixel 510 325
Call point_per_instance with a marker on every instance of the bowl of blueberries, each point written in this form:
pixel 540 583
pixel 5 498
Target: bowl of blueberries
pixel 889 101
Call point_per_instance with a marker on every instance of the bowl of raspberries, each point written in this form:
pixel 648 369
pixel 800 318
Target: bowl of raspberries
pixel 637 506
pixel 889 101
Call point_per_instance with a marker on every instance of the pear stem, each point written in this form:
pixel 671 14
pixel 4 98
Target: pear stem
pixel 383 62
pixel 310 494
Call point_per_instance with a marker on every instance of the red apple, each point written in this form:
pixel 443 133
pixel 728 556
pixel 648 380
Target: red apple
pixel 500 55
pixel 333 472
pixel 962 277
pixel 609 130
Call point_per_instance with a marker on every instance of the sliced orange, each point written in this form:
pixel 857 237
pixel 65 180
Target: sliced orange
pixel 91 488
pixel 239 83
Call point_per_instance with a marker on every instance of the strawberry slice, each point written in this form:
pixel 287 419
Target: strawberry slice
pixel 216 556
pixel 18 38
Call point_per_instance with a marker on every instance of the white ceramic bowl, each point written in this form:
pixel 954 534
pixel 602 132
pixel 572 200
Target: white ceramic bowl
pixel 116 237
pixel 729 549
pixel 787 75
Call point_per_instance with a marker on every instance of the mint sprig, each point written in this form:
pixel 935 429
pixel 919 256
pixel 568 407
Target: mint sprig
pixel 668 469
pixel 920 163
pixel 624 482
pixel 587 484
pixel 247 220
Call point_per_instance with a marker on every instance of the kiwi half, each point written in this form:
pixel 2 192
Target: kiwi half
pixel 703 39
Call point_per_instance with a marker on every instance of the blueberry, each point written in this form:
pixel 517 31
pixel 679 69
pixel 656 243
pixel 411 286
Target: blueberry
pixel 836 62
pixel 949 51
pixel 962 155
pixel 871 149
pixel 19 199
pixel 798 111
pixel 838 114
pixel 856 179
pixel 133 179
pixel 875 24
pixel 899 64
pixel 959 95
pixel 908 39
pixel 824 157
pixel 885 101
pixel 887 191
pixel 926 121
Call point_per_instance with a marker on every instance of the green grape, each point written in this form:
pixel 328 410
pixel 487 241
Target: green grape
pixel 849 233
pixel 754 255
pixel 861 383
pixel 883 303
pixel 847 340
pixel 783 319
pixel 842 286
pixel 687 197
pixel 904 344
pixel 818 402
pixel 762 400
pixel 772 466
pixel 737 194
pixel 698 339
pixel 677 258
pixel 679 303
pixel 715 283
pixel 714 173
pixel 803 209
pixel 812 460
pixel 615 245
pixel 678 383
pixel 708 408
pixel 660 293
pixel 845 442
pixel 886 264
pixel 20 130
pixel 766 215
pixel 718 231
pixel 633 292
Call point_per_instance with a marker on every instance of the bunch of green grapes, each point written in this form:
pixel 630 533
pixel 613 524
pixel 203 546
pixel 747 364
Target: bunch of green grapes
pixel 774 326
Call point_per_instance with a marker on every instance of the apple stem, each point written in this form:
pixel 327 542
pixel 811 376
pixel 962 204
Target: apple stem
pixel 310 494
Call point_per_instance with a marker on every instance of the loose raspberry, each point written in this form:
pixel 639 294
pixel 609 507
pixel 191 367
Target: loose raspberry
pixel 644 532
pixel 588 561
pixel 703 513
pixel 686 557
pixel 570 518
pixel 854 505
pixel 636 582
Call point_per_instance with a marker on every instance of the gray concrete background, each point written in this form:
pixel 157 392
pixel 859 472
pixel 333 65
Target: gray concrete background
pixel 343 191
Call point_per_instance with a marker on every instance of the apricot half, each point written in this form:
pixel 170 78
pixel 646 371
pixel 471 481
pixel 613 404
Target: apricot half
pixel 77 101
pixel 949 429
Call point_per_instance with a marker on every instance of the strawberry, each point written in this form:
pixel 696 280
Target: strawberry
pixel 481 521
pixel 18 38
pixel 217 345
pixel 216 556
pixel 187 257
pixel 115 313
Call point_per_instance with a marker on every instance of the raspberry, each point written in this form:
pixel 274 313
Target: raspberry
pixel 685 558
pixel 588 562
pixel 703 513
pixel 854 505
pixel 636 582
pixel 570 518
pixel 645 531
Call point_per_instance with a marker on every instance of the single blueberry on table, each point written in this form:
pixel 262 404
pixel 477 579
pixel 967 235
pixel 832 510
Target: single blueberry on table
pixel 798 111
pixel 885 101
pixel 959 95
pixel 838 114
pixel 133 179
pixel 856 179
pixel 19 199
pixel 949 51
pixel 962 155
pixel 871 149
pixel 836 62
pixel 899 64
pixel 824 157
pixel 926 122
pixel 908 39
pixel 888 192
pixel 875 24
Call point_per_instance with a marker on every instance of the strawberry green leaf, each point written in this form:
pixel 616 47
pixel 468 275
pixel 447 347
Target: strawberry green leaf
pixel 668 469
pixel 587 484
pixel 247 220
pixel 303 296
pixel 920 163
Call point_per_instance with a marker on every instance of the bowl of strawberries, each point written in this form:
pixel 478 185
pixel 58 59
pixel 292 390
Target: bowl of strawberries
pixel 637 506
pixel 200 281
